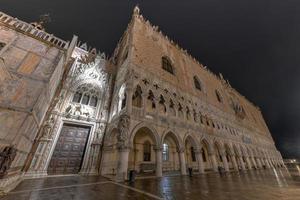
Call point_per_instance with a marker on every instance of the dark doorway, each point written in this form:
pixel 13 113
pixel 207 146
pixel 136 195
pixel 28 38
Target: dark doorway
pixel 69 150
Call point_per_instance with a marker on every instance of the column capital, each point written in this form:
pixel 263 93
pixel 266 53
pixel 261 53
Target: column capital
pixel 157 148
pixel 180 149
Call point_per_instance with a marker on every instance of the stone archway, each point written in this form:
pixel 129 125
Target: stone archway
pixel 173 158
pixel 206 152
pixel 191 151
pixel 142 155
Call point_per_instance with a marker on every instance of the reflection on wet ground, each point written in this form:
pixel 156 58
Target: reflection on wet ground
pixel 270 184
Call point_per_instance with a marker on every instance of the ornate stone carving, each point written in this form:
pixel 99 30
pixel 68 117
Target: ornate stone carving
pixel 48 126
pixel 6 158
pixel 123 128
pixel 78 110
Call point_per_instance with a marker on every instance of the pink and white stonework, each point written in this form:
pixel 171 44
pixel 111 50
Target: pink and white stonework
pixel 65 108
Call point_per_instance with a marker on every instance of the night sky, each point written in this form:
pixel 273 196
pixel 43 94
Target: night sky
pixel 253 43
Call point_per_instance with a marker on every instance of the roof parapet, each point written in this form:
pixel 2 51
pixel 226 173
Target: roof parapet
pixel 32 31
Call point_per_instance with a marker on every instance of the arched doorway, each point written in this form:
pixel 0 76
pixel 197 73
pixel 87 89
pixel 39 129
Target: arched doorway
pixel 190 153
pixel 142 157
pixel 170 153
pixel 205 155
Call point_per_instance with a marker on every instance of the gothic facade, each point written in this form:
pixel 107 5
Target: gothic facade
pixel 67 109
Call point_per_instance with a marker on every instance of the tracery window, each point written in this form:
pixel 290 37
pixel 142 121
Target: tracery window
pixel 162 104
pixel 86 94
pixel 171 108
pixel 165 152
pixel 166 65
pixel 137 97
pixel 151 99
pixel 147 151
pixel 197 83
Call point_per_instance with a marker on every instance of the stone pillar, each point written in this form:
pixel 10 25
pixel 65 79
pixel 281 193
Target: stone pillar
pixel 242 163
pixel 200 161
pixel 213 161
pixel 259 164
pixel 158 162
pixel 225 162
pixel 248 163
pixel 234 162
pixel 182 161
pixel 122 166
pixel 253 162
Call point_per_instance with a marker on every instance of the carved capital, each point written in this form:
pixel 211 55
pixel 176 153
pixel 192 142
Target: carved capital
pixel 123 128
pixel 180 150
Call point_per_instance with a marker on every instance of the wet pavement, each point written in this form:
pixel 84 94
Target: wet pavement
pixel 250 185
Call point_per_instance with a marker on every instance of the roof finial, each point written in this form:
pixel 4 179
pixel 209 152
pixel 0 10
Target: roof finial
pixel 136 10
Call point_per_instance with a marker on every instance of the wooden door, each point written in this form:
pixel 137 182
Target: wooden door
pixel 69 150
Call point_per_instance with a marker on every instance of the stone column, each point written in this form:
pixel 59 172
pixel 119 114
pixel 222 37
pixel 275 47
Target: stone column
pixel 248 163
pixel 158 152
pixel 182 161
pixel 242 163
pixel 200 161
pixel 234 162
pixel 213 161
pixel 122 166
pixel 259 164
pixel 225 162
pixel 253 162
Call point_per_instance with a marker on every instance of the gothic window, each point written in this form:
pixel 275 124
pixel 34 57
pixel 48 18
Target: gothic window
pixel 151 100
pixel 147 151
pixel 122 98
pixel 166 65
pixel 193 154
pixel 180 112
pixel 162 104
pixel 123 102
pixel 137 97
pixel 218 95
pixel 171 108
pixel 197 83
pixel 86 94
pixel 85 99
pixel 77 97
pixel 93 101
pixel 165 152
pixel 203 155
pixel 2 44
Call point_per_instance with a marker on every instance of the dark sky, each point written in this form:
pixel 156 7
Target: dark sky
pixel 254 43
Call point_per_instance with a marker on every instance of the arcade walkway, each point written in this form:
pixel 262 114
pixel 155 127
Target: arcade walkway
pixel 257 185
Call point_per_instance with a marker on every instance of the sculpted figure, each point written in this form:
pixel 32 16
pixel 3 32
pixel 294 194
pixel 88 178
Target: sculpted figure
pixel 48 127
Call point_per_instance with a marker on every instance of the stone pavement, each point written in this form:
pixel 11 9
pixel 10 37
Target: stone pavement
pixel 257 185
